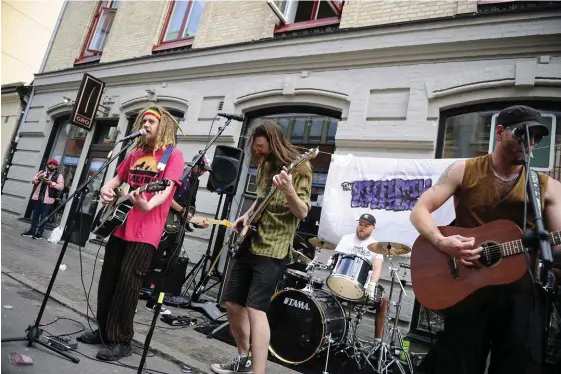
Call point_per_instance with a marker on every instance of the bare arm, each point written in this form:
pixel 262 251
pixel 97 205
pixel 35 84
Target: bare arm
pixel 376 269
pixel 434 198
pixel 552 212
pixel 175 206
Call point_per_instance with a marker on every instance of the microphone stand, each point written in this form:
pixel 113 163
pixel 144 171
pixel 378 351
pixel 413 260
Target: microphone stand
pixel 33 331
pixel 179 240
pixel 537 239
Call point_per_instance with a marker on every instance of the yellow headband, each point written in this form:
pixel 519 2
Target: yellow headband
pixel 152 112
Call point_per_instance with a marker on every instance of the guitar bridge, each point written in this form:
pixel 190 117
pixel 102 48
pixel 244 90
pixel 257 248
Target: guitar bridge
pixel 454 268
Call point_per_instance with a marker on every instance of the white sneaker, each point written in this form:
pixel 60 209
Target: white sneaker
pixel 163 311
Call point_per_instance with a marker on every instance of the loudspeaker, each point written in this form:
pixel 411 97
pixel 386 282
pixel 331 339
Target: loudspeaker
pixel 226 166
pixel 173 282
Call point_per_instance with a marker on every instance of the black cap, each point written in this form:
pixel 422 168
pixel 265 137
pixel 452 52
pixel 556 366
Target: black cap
pixel 368 218
pixel 518 115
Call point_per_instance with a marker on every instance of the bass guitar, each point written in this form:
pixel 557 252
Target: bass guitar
pixel 116 212
pixel 438 280
pixel 243 239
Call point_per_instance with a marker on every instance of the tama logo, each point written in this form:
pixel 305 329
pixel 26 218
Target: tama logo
pixel 296 303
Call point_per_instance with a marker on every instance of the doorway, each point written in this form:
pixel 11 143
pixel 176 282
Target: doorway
pixel 102 143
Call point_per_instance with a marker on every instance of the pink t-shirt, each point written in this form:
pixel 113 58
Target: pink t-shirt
pixel 138 169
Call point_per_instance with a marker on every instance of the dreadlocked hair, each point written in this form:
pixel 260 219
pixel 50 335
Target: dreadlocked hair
pixel 166 130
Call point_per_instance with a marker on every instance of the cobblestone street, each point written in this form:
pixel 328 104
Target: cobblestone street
pixel 31 262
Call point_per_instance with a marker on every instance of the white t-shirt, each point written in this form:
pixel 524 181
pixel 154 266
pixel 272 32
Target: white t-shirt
pixel 352 244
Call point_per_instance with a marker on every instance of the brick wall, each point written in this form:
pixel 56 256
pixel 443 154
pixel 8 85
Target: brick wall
pixel 71 34
pixel 227 22
pixel 368 13
pixel 135 30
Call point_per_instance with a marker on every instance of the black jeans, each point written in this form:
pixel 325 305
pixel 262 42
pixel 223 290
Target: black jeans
pixel 40 211
pixel 505 321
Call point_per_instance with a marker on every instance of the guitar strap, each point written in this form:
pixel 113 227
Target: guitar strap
pixel 163 161
pixel 535 179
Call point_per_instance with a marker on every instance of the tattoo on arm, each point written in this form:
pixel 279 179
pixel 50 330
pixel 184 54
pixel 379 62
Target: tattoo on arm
pixel 444 176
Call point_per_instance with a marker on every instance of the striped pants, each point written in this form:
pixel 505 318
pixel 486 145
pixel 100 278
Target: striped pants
pixel 124 266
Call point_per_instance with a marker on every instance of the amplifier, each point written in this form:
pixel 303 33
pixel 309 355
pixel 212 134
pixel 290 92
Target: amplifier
pixel 172 284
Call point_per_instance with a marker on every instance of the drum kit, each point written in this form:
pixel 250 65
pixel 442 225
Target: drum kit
pixel 308 320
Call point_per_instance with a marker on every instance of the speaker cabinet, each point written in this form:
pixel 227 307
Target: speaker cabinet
pixel 226 166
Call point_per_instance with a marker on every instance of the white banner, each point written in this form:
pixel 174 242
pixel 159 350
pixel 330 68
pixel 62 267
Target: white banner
pixel 386 188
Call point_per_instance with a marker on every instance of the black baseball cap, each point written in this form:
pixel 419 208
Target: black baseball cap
pixel 368 218
pixel 518 115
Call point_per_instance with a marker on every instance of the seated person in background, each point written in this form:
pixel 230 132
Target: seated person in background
pixel 357 244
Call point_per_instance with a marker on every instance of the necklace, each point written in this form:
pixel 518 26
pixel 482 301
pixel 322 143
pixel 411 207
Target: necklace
pixel 506 180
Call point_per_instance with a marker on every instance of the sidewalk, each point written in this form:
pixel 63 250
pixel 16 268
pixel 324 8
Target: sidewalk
pixel 32 262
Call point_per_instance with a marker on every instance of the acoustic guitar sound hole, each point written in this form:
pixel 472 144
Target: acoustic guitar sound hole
pixel 490 255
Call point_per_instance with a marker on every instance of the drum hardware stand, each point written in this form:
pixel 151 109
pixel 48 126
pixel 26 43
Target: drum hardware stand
pixel 329 341
pixel 391 348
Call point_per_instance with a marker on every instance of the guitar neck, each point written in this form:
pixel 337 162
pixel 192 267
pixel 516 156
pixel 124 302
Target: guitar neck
pixel 516 247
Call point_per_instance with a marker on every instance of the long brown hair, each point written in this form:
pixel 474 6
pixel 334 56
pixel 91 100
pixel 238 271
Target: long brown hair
pixel 281 148
pixel 166 130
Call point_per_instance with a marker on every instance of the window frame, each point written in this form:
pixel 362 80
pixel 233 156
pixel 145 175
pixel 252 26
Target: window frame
pixel 91 55
pixel 286 25
pixel 180 41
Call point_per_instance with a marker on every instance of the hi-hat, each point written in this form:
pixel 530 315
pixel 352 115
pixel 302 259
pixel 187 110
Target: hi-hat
pixel 318 243
pixel 301 257
pixel 389 248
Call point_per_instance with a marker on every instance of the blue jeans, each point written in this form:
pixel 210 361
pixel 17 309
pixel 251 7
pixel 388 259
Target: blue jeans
pixel 40 211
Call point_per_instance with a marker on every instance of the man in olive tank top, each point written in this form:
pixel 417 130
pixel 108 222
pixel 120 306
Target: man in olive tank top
pixel 503 320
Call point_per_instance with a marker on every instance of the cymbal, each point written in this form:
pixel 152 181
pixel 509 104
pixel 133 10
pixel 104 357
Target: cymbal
pixel 301 257
pixel 318 243
pixel 389 249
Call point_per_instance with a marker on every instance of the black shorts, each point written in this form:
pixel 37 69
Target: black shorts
pixel 253 280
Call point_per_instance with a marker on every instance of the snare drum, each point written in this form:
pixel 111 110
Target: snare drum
pixel 301 322
pixel 349 277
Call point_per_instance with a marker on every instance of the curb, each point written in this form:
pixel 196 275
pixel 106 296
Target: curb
pixel 162 350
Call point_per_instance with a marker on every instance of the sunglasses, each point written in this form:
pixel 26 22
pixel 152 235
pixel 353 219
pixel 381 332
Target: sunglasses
pixel 51 163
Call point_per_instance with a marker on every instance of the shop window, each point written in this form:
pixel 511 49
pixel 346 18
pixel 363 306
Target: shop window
pixel 181 25
pixel 299 15
pixel 99 32
pixel 471 134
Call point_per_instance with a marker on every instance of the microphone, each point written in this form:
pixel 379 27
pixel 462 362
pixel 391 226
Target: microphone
pixel 236 117
pixel 519 133
pixel 134 135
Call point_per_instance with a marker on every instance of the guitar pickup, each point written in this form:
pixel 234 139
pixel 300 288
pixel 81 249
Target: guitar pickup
pixel 454 268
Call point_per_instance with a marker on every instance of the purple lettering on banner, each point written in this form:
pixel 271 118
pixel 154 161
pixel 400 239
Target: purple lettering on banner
pixel 394 195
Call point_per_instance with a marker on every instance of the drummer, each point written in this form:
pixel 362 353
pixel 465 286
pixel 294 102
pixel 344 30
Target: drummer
pixel 357 244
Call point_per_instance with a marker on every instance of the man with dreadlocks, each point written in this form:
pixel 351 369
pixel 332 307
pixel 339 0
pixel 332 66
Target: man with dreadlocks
pixel 256 272
pixel 130 248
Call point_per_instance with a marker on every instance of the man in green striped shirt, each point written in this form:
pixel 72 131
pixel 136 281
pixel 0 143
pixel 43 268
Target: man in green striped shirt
pixel 256 272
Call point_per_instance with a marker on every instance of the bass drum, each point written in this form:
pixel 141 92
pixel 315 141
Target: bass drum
pixel 301 322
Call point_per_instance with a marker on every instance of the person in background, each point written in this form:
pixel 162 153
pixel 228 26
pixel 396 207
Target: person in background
pixel 47 186
pixel 189 187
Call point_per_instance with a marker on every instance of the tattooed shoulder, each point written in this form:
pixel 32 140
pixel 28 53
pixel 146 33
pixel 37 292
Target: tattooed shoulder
pixel 444 175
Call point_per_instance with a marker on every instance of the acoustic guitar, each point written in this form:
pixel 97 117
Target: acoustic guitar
pixel 116 212
pixel 441 281
pixel 243 239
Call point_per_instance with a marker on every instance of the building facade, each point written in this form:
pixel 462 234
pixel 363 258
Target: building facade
pixel 394 79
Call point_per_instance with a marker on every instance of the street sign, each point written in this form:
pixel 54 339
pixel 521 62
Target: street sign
pixel 87 101
pixel 543 154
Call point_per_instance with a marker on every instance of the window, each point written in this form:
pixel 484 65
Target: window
pixel 471 133
pixel 295 14
pixel 99 31
pixel 181 24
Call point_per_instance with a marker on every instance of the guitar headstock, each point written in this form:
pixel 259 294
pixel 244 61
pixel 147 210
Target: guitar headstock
pixel 312 153
pixel 157 186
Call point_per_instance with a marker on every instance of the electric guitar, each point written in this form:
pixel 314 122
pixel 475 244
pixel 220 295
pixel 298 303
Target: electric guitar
pixel 438 280
pixel 173 222
pixel 243 239
pixel 116 212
